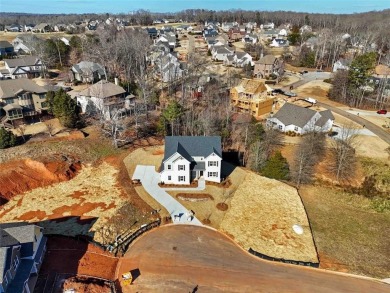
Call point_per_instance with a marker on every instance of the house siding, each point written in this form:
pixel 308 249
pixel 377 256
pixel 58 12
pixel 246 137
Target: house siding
pixel 213 169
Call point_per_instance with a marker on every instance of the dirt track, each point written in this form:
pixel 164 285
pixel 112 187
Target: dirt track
pixel 195 259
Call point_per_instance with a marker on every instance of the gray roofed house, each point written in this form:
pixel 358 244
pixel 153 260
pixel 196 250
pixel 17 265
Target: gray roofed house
pixel 191 157
pixel 23 67
pixel 297 119
pixel 86 71
pixel 103 97
pixel 22 248
pixel 6 48
pixel 21 99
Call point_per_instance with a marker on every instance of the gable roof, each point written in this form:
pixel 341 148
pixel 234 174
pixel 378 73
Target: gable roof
pixel 325 117
pixel 5 44
pixel 267 60
pixel 86 66
pixel 291 114
pixel 251 86
pixel 24 61
pixel 102 89
pixel 190 146
pixel 10 87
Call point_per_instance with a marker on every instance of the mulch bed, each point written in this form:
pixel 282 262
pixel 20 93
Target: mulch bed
pixel 222 206
pixel 194 196
pixel 225 184
pixel 192 184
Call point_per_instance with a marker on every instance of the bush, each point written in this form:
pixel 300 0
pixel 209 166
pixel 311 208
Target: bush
pixel 7 138
pixel 276 167
pixel 380 204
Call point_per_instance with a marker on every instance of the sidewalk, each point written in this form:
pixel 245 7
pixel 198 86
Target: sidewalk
pixel 149 179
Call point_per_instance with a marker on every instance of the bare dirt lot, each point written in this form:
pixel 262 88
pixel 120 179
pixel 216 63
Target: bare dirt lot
pixel 183 258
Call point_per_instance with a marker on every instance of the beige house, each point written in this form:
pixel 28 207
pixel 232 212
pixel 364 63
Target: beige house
pixel 252 96
pixel 268 65
pixel 21 99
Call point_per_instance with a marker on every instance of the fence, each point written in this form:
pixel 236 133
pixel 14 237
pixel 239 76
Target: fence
pixel 123 245
pixel 301 263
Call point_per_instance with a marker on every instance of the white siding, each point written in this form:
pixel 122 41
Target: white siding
pixel 175 161
pixel 213 169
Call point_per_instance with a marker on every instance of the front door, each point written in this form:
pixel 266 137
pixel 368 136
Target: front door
pixel 200 173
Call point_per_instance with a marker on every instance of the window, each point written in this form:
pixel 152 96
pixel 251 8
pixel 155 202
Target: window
pixel 212 174
pixel 169 166
pixel 296 128
pixel 213 164
pixel 182 167
pixel 169 178
pixel 15 264
pixel 280 127
pixel 9 101
pixel 182 178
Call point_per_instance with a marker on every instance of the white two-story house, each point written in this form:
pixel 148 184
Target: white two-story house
pixel 187 158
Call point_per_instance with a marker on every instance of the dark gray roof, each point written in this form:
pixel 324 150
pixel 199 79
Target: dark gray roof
pixel 189 146
pixel 24 61
pixel 89 67
pixel 325 117
pixel 291 114
pixel 5 44
pixel 9 87
pixel 199 166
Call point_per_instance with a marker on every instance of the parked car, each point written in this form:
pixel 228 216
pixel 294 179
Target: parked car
pixel 278 91
pixel 382 111
pixel 290 94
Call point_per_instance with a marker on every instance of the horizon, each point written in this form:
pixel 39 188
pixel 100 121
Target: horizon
pixel 154 6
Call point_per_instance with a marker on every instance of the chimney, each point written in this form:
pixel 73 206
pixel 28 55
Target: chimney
pixel 116 81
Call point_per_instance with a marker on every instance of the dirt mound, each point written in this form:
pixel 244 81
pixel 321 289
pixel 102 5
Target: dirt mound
pixel 23 175
pixel 87 285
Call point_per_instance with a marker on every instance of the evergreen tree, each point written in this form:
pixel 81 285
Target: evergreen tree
pixel 361 68
pixel 276 167
pixel 7 138
pixel 63 107
pixel 172 113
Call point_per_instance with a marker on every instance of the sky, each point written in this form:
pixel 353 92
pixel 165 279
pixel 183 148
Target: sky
pixel 126 6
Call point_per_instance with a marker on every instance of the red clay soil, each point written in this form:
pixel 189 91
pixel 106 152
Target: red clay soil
pixel 23 175
pixel 86 285
pixel 70 256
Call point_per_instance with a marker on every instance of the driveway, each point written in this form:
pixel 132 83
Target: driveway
pixel 149 179
pixel 379 131
pixel 185 258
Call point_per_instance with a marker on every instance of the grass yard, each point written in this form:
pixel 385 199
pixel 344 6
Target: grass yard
pixel 349 235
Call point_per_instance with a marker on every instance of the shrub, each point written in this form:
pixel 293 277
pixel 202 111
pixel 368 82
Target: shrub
pixel 380 204
pixel 276 167
pixel 7 138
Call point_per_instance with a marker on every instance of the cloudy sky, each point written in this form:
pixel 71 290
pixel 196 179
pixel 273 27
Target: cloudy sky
pixel 125 6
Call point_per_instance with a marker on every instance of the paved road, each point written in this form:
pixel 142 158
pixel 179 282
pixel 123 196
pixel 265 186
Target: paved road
pixel 149 179
pixel 379 131
pixel 180 258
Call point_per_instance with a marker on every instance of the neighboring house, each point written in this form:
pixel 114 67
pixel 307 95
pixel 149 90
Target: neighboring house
pixel 29 27
pixel 279 43
pixel 14 28
pixel 219 53
pixel 251 96
pixel 270 34
pixel 42 28
pixel 305 29
pixel 22 248
pixel 226 26
pixel 341 64
pixel 60 27
pixel 268 26
pixel 88 72
pixel 23 67
pixel 283 32
pixel 21 99
pixel 168 38
pixel 249 38
pixel 210 33
pixel 22 43
pixel 300 120
pixel 235 34
pixel 152 32
pixel 187 158
pixel 268 65
pixel 238 59
pixel 6 49
pixel 311 43
pixel 103 97
pixel 250 26
pixel 214 42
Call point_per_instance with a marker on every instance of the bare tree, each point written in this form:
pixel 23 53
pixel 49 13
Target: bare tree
pixel 50 128
pixel 21 129
pixel 343 157
pixel 309 152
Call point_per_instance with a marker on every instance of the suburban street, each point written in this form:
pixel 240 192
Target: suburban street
pixel 379 131
pixel 182 258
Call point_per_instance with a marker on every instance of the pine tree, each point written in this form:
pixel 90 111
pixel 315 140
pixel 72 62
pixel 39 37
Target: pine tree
pixel 63 107
pixel 276 167
pixel 7 138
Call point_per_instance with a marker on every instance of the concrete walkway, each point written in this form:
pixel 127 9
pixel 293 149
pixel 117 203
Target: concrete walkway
pixel 149 179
